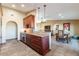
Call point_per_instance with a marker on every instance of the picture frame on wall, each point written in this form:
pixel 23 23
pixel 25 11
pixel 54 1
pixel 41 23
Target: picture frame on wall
pixel 57 27
pixel 66 26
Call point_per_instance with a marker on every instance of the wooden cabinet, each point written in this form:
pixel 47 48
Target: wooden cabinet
pixel 39 44
pixel 29 21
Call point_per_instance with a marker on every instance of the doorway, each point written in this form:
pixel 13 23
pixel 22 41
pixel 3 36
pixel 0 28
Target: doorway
pixel 11 30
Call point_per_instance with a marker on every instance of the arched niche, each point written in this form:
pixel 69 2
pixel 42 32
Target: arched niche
pixel 11 30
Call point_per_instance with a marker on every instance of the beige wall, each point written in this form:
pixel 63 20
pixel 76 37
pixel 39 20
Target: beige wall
pixel 74 25
pixel 0 11
pixel 0 22
pixel 0 19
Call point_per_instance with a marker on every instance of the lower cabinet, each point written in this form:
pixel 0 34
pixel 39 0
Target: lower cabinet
pixel 39 44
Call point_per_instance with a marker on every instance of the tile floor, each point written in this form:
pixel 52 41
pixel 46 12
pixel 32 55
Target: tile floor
pixel 17 48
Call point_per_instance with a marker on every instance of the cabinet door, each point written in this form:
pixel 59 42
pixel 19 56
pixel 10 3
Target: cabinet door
pixel 36 40
pixel 29 21
pixel 28 38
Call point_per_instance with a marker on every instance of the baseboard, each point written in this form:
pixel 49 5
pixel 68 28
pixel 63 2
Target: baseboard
pixel 11 39
pixel 1 43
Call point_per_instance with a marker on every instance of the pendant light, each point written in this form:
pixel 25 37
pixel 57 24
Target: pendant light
pixel 44 18
pixel 39 21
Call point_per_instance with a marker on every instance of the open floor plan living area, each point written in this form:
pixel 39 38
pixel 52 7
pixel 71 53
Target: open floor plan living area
pixel 39 29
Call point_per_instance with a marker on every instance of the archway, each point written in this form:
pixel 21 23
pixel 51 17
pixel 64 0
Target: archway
pixel 11 30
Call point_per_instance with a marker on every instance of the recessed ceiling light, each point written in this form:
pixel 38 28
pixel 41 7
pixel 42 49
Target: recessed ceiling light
pixel 13 5
pixel 59 14
pixel 22 5
pixel 62 16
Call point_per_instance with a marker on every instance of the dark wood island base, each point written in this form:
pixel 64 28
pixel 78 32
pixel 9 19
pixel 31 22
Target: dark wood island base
pixel 37 43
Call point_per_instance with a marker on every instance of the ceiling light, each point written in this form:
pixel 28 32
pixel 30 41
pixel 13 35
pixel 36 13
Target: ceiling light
pixel 60 14
pixel 13 5
pixel 44 18
pixel 22 5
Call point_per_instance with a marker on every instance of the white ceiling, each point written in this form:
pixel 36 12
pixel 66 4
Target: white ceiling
pixel 67 10
pixel 27 6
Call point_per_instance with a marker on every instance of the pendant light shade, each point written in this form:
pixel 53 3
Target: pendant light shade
pixel 39 21
pixel 44 17
pixel 43 20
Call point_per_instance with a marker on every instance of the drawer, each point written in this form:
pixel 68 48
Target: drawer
pixel 37 50
pixel 36 40
pixel 35 45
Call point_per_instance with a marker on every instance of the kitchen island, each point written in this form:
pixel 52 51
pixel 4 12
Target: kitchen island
pixel 39 41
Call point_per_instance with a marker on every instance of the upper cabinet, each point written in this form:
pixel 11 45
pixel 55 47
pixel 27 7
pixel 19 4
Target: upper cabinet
pixel 29 21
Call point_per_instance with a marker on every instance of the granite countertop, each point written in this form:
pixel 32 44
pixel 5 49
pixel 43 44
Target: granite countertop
pixel 41 34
